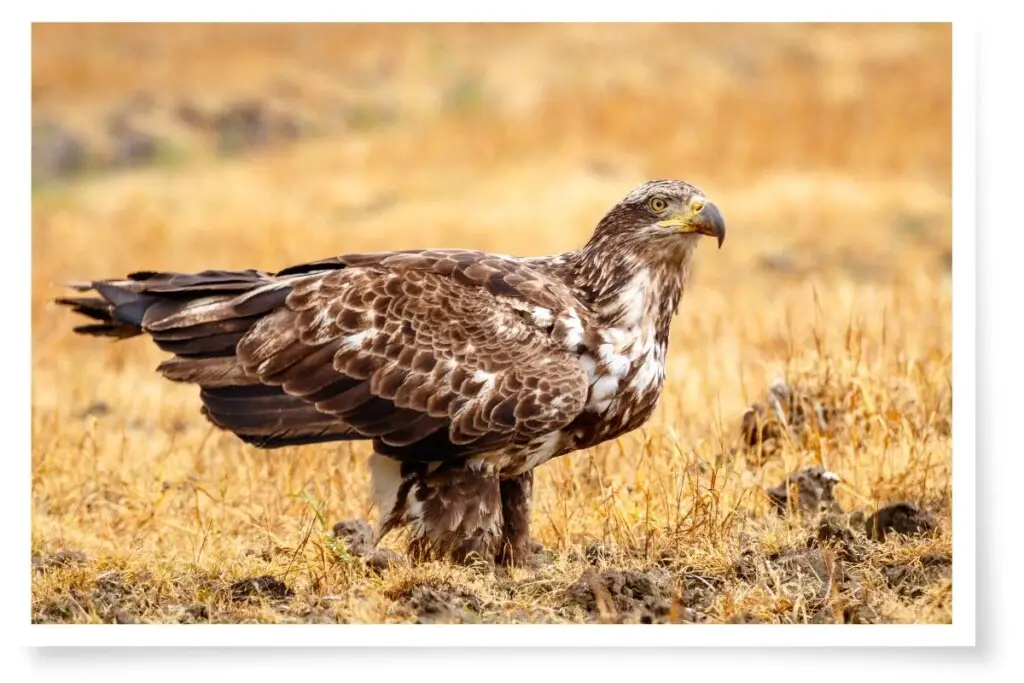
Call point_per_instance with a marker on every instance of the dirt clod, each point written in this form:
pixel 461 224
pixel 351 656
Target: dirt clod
pixel 194 614
pixel 911 580
pixel 786 410
pixel 61 558
pixel 261 586
pixel 835 535
pixel 432 604
pixel 622 595
pixel 357 534
pixel 598 554
pixel 697 592
pixel 903 518
pixel 382 559
pixel 810 491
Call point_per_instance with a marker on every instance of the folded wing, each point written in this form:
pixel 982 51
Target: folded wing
pixel 433 355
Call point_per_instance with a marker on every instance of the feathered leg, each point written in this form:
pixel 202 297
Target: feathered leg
pixel 516 502
pixel 452 513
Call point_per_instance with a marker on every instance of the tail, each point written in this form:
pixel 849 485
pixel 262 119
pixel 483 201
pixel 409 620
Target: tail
pixel 125 308
pixel 200 318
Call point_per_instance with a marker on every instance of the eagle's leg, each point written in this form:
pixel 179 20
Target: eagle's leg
pixel 516 501
pixel 451 511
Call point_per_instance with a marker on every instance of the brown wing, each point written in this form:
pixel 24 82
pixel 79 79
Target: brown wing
pixel 431 354
pixel 427 366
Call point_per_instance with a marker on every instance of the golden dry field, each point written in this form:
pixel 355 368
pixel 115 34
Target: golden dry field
pixel 827 147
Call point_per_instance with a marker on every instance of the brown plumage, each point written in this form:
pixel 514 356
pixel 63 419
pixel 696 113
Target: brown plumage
pixel 466 370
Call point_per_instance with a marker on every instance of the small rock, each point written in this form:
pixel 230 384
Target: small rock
pixel 903 517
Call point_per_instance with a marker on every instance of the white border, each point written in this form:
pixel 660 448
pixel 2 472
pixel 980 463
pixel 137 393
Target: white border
pixel 961 632
pixel 498 635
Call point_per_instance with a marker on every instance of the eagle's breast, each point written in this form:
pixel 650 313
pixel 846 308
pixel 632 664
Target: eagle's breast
pixel 626 377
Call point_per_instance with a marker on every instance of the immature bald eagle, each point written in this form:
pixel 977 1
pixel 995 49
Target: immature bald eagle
pixel 466 370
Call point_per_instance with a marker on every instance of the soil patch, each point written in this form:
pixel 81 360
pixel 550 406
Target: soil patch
pixel 261 586
pixel 622 596
pixel 436 604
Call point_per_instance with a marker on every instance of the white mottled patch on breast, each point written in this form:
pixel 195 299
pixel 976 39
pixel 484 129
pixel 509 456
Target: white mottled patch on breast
pixel 542 316
pixel 617 363
pixel 602 392
pixel 589 367
pixel 647 373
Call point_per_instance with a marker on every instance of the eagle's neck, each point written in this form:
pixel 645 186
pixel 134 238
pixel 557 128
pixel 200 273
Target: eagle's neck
pixel 634 287
pixel 632 291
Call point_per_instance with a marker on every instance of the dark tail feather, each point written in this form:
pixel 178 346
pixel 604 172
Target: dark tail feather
pixel 175 301
pixel 99 309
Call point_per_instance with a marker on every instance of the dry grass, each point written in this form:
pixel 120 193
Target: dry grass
pixel 828 149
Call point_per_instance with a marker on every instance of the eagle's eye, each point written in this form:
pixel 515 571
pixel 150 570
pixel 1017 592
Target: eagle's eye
pixel 658 204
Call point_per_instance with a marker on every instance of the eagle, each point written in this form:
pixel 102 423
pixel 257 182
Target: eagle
pixel 465 370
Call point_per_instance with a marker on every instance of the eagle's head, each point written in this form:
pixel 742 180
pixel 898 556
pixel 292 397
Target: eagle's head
pixel 660 213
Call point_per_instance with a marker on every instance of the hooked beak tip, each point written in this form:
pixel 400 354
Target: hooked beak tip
pixel 710 222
